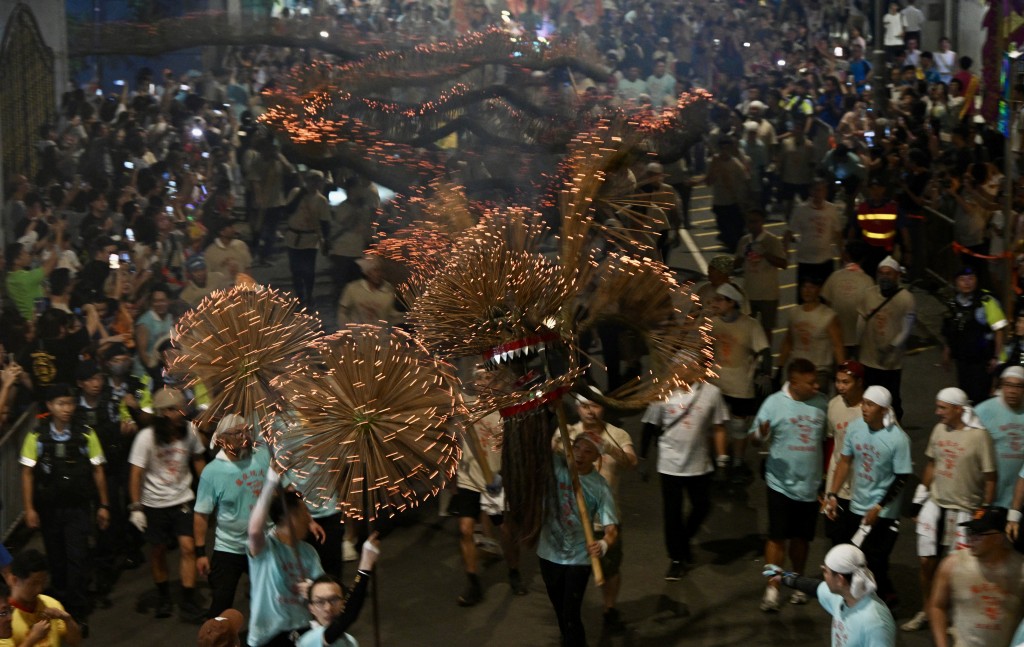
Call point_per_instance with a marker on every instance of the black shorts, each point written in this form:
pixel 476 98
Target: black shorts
pixel 466 503
pixel 789 519
pixel 165 525
pixel 611 563
pixel 741 407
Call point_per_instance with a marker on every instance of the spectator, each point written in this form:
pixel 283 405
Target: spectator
pixel 893 30
pixel 200 281
pixel 945 61
pixel 227 254
pixel 25 285
pixel 332 609
pixel 150 329
pixel 38 619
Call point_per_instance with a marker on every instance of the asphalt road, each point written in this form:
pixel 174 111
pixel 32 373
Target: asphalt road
pixel 716 604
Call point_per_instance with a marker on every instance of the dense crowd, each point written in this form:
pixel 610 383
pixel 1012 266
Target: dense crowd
pixel 147 200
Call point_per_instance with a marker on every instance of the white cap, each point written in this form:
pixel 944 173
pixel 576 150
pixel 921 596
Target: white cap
pixel 750 126
pixel 890 262
pixel 756 105
pixel 729 291
pixel 1013 371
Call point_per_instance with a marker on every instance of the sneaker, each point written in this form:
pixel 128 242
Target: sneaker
pixel 770 601
pixel 613 621
pixel 675 572
pixel 164 608
pixel 515 582
pixel 916 623
pixel 798 597
pixel 348 551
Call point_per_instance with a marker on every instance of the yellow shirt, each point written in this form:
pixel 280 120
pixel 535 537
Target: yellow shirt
pixel 21 622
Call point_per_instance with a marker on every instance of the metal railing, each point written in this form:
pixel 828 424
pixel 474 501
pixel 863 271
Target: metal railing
pixel 11 508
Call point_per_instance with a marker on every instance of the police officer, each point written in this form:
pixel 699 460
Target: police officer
pixel 62 472
pixel 973 331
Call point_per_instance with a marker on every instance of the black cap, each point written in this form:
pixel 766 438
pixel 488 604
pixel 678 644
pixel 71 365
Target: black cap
pixel 966 270
pixel 59 390
pixel 987 520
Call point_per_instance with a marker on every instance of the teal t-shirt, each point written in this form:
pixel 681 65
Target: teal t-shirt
pixel 231 488
pixel 315 638
pixel 274 604
pixel 1007 431
pixel 1018 636
pixel 795 457
pixel 867 624
pixel 561 539
pixel 24 287
pixel 878 456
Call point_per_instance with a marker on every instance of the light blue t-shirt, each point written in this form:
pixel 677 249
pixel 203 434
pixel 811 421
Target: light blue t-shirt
pixel 1018 636
pixel 274 604
pixel 878 456
pixel 867 624
pixel 1007 431
pixel 315 638
pixel 561 539
pixel 231 488
pixel 795 458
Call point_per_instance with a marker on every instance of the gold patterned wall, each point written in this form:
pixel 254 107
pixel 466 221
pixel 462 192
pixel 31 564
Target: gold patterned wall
pixel 27 97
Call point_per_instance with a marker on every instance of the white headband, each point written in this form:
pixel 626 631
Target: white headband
pixel 957 398
pixel 881 396
pixel 730 291
pixel 849 560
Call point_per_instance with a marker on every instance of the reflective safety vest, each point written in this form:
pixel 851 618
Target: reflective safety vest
pixel 878 224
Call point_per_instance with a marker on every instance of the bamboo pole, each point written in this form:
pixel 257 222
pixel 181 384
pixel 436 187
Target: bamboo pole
pixel 581 504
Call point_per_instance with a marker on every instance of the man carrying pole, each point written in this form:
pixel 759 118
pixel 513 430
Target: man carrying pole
pixel 567 548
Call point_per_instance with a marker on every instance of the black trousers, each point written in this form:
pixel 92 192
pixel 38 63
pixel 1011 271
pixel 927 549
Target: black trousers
pixel 302 263
pixel 973 377
pixel 566 585
pixel 226 571
pixel 877 546
pixel 729 219
pixel 680 528
pixel 66 531
pixel 891 381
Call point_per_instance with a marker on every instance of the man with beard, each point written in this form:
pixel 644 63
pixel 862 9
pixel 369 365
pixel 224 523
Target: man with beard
pixel 160 486
pixel 230 484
